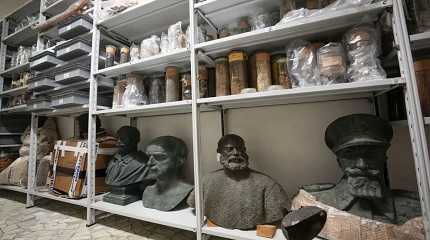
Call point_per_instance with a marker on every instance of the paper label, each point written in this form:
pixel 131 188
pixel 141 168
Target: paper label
pixel 237 56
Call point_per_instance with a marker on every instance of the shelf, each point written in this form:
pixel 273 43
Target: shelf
pixel 16 69
pixel 72 111
pixel 420 41
pixel 239 234
pixel 304 94
pixel 58 7
pixel 146 18
pixel 169 108
pixel 311 28
pixel 45 194
pixel 16 109
pixel 158 63
pixel 183 219
pixel 14 188
pixel 11 146
pixel 14 91
pixel 28 8
pixel 106 84
pixel 25 36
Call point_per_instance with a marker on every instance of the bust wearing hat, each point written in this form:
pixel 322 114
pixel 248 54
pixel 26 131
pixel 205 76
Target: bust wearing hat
pixel 360 142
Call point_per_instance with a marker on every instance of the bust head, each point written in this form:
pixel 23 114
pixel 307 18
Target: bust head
pixel 166 155
pixel 360 142
pixel 232 152
pixel 128 138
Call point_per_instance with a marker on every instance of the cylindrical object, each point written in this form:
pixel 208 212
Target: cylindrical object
pixel 422 72
pixel 172 84
pixel 124 55
pixel 264 74
pixel 222 77
pixel 332 63
pixel 157 90
pixel 238 71
pixel 279 70
pixel 134 52
pixel 110 55
pixel 186 86
pixel 203 81
pixel 252 72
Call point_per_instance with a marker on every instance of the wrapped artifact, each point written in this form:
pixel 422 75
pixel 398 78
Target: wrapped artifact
pixel 302 64
pixel 150 46
pixel 134 93
pixel 332 63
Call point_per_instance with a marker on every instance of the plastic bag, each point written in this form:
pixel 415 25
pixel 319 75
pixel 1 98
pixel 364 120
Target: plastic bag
pixel 332 63
pixel 134 52
pixel 150 47
pixel 134 93
pixel 175 36
pixel 116 6
pixel 302 64
pixel 296 14
pixel 260 21
pixel 343 4
pixel 363 49
pixel 157 90
pixel 286 6
pixel 164 43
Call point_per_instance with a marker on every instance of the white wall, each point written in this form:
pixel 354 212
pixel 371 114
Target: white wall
pixel 286 142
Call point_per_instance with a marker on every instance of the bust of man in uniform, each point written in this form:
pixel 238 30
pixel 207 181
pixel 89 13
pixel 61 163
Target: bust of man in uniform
pixel 166 157
pixel 237 197
pixel 126 171
pixel 360 142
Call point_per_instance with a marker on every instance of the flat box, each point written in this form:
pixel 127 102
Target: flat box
pixel 70 166
pixel 39 105
pixel 75 26
pixel 74 98
pixel 73 49
pixel 41 84
pixel 72 75
pixel 44 60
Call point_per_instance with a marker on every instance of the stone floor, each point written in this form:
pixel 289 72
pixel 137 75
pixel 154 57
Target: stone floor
pixel 55 220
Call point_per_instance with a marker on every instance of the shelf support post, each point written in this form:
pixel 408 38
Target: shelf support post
pixel 32 160
pixel 415 117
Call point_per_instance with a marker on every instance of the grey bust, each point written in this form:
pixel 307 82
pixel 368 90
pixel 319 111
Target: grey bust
pixel 127 169
pixel 166 157
pixel 237 197
pixel 360 142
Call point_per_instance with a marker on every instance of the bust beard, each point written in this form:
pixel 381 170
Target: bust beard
pixel 364 187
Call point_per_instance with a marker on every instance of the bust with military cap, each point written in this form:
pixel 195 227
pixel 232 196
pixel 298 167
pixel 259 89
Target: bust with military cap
pixel 360 142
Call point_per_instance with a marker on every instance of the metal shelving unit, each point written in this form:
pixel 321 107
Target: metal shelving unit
pixel 150 17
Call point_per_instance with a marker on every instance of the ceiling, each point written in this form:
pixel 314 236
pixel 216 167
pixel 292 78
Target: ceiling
pixel 8 6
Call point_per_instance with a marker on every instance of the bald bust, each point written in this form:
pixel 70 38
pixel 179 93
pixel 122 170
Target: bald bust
pixel 237 197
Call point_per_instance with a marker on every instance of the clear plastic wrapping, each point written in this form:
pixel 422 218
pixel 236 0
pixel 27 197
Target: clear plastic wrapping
pixel 186 86
pixel 363 49
pixel 302 64
pixel 286 6
pixel 157 90
pixel 332 63
pixel 112 7
pixel 260 20
pixel 134 93
pixel 150 46
pixel 176 37
pixel 134 52
pixel 164 43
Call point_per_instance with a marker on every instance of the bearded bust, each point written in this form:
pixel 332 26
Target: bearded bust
pixel 237 197
pixel 360 142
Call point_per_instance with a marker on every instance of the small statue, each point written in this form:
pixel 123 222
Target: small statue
pixel 126 171
pixel 361 205
pixel 166 156
pixel 237 197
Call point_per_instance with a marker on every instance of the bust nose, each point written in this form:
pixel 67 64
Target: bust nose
pixel 151 161
pixel 361 164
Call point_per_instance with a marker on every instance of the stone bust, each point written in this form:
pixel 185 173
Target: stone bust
pixel 127 169
pixel 237 197
pixel 166 157
pixel 360 142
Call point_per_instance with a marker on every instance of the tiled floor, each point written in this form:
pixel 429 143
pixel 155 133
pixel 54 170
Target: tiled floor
pixel 55 220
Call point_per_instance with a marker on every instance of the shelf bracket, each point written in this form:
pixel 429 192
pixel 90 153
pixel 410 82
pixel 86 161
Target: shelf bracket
pixel 205 58
pixel 207 20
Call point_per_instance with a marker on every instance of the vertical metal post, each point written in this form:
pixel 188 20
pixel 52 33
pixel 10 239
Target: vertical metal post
pixel 415 117
pixel 195 108
pixel 32 160
pixel 3 49
pixel 92 148
pixel 42 18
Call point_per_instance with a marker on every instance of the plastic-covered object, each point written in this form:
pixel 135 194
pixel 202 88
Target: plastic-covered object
pixel 164 43
pixel 157 90
pixel 186 86
pixel 113 7
pixel 362 48
pixel 134 93
pixel 302 64
pixel 286 6
pixel 118 93
pixel 176 37
pixel 332 63
pixel 260 20
pixel 150 47
pixel 296 14
pixel 110 55
pixel 134 52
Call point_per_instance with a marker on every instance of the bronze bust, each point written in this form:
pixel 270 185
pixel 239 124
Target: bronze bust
pixel 166 157
pixel 360 142
pixel 237 197
pixel 126 171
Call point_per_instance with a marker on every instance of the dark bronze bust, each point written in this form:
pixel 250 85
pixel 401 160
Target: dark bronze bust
pixel 237 197
pixel 126 171
pixel 166 157
pixel 360 142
